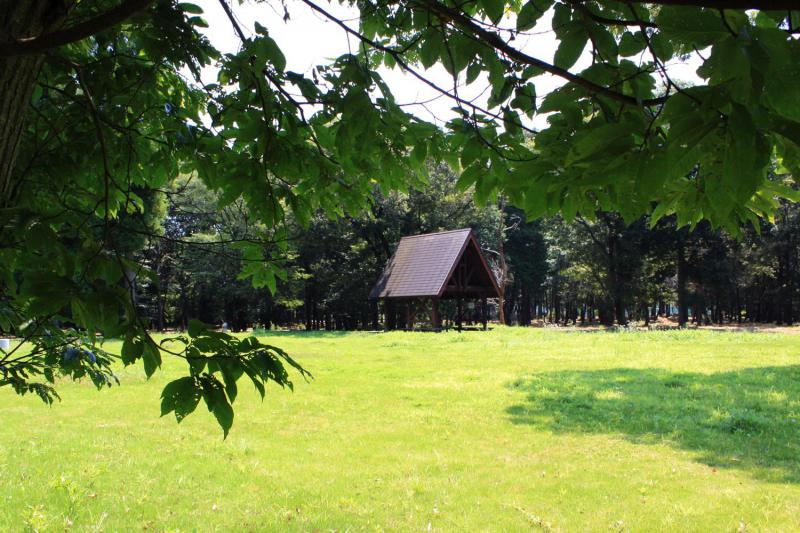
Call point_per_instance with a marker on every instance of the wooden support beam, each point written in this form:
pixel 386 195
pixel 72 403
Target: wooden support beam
pixel 484 312
pixel 436 319
pixel 458 313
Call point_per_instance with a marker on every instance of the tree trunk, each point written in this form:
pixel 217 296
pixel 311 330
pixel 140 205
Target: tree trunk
pixel 19 19
pixel 615 290
pixel 524 312
pixel 683 311
pixel 501 305
pixel 502 264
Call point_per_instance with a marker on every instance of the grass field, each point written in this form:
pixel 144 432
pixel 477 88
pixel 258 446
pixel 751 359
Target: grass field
pixel 508 430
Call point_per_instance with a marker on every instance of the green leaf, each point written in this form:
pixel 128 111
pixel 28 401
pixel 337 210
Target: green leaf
pixel 501 90
pixel 99 310
pixel 744 157
pixel 777 94
pixel 217 403
pixel 460 52
pixel 180 396
pixel 47 292
pixel 223 412
pixel 419 153
pixel 473 71
pixel 194 9
pixel 525 99
pixel 597 141
pixel 485 186
pixel 570 47
pixel 471 151
pixel 431 48
pixel 511 121
pixel 662 46
pixel 530 13
pixel 562 17
pixel 691 26
pixel 231 371
pixel 469 176
pixel 604 42
pixel 684 147
pixel 195 328
pixel 197 361
pixel 557 100
pixel 535 203
pixel 494 9
pixel 151 356
pixel 631 44
pixel 269 51
pixel 132 349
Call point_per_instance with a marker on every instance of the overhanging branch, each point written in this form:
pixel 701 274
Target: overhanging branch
pixel 495 41
pixel 102 22
pixel 762 5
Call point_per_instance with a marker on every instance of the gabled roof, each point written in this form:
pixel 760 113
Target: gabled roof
pixel 422 265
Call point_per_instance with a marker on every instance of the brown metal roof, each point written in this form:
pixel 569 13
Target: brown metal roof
pixel 422 264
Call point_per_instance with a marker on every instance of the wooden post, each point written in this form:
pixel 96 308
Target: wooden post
pixel 409 316
pixel 436 320
pixel 483 313
pixel 458 313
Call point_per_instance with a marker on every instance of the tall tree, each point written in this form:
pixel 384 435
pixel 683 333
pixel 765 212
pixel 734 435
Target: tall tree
pixel 94 105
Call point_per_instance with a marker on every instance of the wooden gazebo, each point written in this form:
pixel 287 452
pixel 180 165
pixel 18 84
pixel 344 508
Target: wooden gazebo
pixel 432 267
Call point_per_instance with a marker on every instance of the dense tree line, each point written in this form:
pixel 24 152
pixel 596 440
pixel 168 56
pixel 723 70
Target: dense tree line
pixel 602 270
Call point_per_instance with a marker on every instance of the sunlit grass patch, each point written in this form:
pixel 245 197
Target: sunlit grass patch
pixel 504 430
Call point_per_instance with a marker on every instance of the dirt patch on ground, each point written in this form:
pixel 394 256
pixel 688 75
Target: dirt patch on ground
pixel 669 323
pixel 765 328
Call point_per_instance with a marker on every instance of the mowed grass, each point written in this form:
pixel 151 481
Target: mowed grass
pixel 512 429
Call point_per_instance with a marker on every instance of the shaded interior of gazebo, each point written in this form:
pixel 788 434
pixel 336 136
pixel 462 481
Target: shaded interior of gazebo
pixel 435 270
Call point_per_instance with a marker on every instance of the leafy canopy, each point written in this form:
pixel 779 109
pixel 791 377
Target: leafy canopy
pixel 114 119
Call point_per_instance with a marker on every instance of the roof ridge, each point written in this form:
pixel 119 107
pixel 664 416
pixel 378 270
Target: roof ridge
pixel 435 233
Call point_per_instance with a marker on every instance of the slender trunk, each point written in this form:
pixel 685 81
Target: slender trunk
pixel 130 283
pixel 683 312
pixel 501 300
pixel 374 312
pixel 524 312
pixel 616 306
pixel 308 309
pixel 502 264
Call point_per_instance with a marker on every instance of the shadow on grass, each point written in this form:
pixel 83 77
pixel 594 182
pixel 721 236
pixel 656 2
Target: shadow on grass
pixel 747 419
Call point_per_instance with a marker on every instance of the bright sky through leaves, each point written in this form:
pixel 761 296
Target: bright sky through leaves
pixel 308 39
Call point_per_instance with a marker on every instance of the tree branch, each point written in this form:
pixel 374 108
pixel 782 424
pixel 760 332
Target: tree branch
pixel 492 39
pixel 762 5
pixel 104 21
pixel 397 56
pixel 577 4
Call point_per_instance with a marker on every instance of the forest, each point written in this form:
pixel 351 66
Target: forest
pixel 585 272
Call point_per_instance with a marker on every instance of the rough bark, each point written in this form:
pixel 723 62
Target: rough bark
pixel 20 19
pixel 57 9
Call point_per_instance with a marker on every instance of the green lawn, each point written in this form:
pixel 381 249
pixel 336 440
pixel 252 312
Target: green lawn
pixel 513 429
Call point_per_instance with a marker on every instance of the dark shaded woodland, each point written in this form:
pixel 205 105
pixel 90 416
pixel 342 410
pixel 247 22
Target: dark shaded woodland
pixel 601 271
